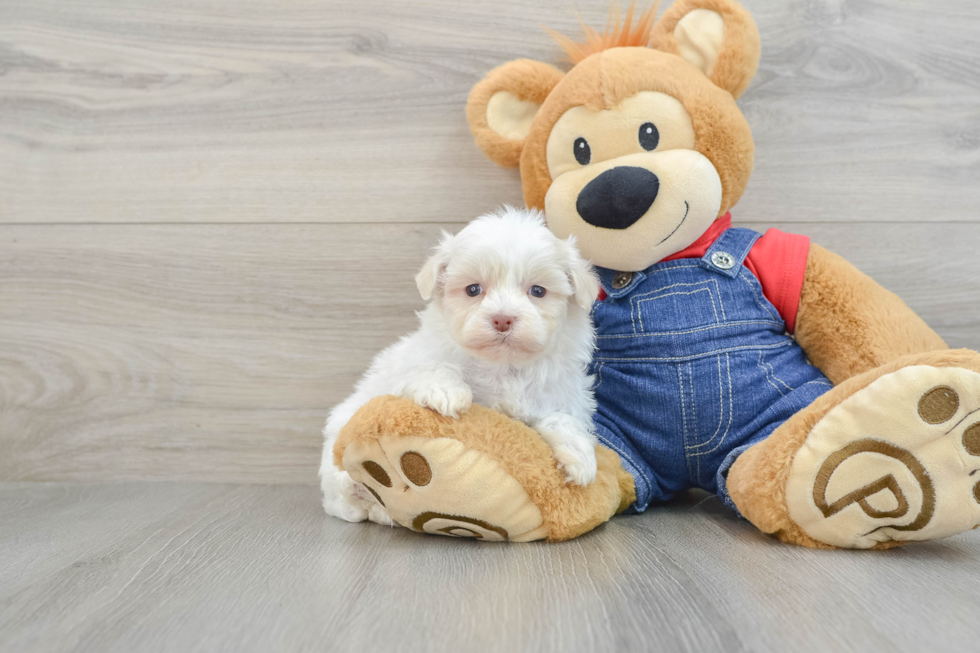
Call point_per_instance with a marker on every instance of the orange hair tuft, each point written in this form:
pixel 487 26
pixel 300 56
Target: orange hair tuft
pixel 618 34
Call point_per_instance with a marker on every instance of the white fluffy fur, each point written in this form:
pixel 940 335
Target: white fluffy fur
pixel 535 372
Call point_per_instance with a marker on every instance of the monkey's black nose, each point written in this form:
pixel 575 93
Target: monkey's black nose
pixel 618 197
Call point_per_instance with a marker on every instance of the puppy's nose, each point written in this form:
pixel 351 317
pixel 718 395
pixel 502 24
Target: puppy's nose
pixel 502 323
pixel 618 197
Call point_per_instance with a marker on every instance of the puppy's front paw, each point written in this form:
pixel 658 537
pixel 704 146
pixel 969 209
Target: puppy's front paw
pixel 379 515
pixel 446 396
pixel 577 459
pixel 345 498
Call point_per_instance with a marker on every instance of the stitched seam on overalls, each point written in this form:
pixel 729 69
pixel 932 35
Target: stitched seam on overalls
pixel 731 409
pixel 721 409
pixel 635 298
pixel 756 291
pixel 671 294
pixel 681 333
pixel 738 243
pixel 774 374
pixel 758 296
pixel 694 407
pixel 694 412
pixel 670 268
pixel 682 393
pixel 676 285
pixel 673 285
pixel 727 350
pixel 771 374
pixel 622 454
pixel 625 456
pixel 818 382
pixel 694 403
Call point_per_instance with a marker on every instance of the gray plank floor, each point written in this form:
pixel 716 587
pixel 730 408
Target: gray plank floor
pixel 207 567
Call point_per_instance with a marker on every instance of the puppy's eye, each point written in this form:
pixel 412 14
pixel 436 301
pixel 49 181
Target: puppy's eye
pixel 537 291
pixel 583 153
pixel 649 136
pixel 474 290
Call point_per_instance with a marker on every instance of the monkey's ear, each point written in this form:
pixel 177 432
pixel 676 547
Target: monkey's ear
pixel 503 105
pixel 718 37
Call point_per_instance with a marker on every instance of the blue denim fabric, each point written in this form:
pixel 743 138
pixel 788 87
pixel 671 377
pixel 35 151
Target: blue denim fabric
pixel 693 366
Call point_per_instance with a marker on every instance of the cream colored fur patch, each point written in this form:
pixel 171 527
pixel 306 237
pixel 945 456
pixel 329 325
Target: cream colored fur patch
pixel 510 116
pixel 612 133
pixel 700 35
pixel 464 494
pixel 877 468
pixel 687 203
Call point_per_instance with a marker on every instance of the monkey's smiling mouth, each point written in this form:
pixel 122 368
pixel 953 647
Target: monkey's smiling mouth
pixel 687 209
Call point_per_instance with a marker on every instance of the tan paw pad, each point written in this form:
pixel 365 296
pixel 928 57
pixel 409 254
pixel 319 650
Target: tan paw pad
pixel 438 486
pixel 892 462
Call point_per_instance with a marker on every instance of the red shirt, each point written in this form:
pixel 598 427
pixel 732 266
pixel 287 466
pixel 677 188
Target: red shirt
pixel 777 259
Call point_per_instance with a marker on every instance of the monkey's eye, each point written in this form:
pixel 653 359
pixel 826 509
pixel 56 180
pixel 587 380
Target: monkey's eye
pixel 649 136
pixel 537 291
pixel 474 290
pixel 583 153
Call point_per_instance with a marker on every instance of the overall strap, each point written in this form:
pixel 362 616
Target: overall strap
pixel 728 253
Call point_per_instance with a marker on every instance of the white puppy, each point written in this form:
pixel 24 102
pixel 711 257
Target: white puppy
pixel 507 327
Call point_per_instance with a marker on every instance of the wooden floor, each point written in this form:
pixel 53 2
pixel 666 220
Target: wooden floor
pixel 205 567
pixel 211 212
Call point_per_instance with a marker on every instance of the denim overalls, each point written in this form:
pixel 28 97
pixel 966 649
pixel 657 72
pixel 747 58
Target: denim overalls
pixel 693 365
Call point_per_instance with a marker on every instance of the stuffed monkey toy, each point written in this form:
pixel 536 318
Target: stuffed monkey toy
pixel 760 367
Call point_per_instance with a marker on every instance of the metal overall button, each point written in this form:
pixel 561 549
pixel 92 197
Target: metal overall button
pixel 723 260
pixel 622 279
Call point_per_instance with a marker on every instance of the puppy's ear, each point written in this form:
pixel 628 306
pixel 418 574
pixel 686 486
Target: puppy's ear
pixel 585 282
pixel 718 37
pixel 427 279
pixel 503 105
